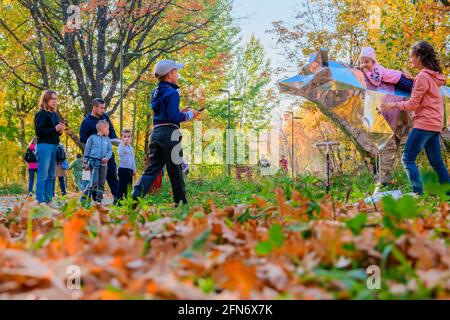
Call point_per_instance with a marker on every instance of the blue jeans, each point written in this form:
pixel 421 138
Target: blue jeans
pixel 31 174
pixel 45 185
pixel 421 139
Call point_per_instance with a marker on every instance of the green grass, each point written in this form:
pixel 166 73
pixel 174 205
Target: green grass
pixel 12 189
pixel 224 191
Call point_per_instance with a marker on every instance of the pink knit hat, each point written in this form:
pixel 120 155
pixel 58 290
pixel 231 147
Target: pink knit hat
pixel 368 52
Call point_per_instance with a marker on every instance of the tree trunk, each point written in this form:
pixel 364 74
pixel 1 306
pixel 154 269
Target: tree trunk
pixel 23 146
pixel 71 134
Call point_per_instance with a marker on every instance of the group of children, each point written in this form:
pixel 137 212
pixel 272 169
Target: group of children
pixel 97 153
pixel 425 105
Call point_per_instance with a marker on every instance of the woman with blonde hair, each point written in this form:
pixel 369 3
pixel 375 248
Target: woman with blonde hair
pixel 48 128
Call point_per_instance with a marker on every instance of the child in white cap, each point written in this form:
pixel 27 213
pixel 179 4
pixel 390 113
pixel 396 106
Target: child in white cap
pixel 165 146
pixel 376 73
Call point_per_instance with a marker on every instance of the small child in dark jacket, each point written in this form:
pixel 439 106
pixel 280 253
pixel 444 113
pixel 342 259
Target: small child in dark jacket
pixel 97 153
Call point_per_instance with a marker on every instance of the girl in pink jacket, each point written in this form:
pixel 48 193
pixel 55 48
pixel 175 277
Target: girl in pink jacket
pixel 427 107
pixel 376 73
pixel 32 167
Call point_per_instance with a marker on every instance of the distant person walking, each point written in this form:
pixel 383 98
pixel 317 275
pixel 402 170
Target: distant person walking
pixel 284 164
pixel 48 128
pixel 31 160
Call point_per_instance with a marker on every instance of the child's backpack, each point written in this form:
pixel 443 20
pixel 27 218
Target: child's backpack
pixel 60 154
pixel 30 156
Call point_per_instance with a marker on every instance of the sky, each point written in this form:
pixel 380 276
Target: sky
pixel 255 17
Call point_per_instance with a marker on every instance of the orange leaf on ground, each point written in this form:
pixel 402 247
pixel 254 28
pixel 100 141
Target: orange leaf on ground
pixel 283 207
pixel 72 231
pixel 240 277
pixel 111 295
pixel 260 202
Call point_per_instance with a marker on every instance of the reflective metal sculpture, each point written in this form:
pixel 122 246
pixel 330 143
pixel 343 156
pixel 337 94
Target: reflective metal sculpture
pixel 344 94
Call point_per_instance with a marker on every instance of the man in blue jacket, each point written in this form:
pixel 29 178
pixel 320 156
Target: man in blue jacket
pixel 88 128
pixel 166 135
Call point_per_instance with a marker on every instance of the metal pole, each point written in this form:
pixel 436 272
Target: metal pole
pixel 135 103
pixel 293 154
pixel 328 170
pixel 121 77
pixel 229 127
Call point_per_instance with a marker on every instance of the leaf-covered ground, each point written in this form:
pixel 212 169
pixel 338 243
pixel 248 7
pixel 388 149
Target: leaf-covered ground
pixel 266 239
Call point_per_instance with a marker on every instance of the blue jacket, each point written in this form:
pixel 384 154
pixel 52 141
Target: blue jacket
pixel 165 103
pixel 88 127
pixel 97 148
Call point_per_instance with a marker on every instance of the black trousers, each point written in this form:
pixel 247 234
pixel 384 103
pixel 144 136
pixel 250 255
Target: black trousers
pixel 125 182
pixel 62 185
pixel 111 178
pixel 161 149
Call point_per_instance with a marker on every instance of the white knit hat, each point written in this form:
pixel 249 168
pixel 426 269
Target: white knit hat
pixel 368 52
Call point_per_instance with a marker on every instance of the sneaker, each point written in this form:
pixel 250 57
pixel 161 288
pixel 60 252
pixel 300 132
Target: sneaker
pixel 412 194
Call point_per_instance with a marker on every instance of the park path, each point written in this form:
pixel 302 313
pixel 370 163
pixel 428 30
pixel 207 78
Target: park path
pixel 9 201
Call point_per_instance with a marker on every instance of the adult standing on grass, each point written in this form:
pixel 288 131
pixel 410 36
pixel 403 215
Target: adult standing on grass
pixel 89 127
pixel 165 103
pixel 48 128
pixel 426 103
pixel 284 164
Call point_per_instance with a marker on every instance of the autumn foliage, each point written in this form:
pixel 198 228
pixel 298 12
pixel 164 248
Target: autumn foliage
pixel 292 248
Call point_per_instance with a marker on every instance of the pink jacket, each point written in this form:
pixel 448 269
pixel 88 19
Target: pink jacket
pixel 379 74
pixel 426 101
pixel 32 165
